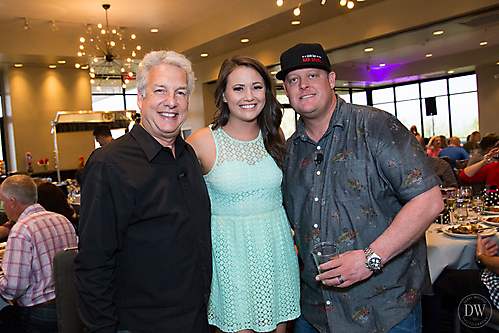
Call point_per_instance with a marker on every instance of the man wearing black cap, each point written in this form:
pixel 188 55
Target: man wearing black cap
pixel 355 177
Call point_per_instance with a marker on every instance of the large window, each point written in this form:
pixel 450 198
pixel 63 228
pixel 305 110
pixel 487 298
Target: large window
pixel 456 104
pixel 114 99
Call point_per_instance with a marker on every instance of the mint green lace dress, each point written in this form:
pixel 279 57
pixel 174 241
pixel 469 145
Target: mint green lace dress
pixel 255 270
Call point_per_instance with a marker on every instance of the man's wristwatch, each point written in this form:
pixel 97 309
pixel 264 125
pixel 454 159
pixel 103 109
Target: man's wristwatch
pixel 373 261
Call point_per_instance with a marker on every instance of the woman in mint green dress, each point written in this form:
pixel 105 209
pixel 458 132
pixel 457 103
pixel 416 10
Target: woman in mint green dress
pixel 255 286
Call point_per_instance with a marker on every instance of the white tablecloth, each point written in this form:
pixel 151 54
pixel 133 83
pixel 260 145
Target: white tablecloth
pixel 449 251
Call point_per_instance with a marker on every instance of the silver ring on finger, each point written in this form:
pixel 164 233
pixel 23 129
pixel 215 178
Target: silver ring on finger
pixel 340 279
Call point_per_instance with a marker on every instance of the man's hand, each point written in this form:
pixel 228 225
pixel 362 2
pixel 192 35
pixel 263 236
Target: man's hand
pixel 350 266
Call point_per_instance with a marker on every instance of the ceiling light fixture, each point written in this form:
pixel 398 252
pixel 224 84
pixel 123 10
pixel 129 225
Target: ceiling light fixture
pixel 26 24
pixel 323 2
pixel 450 72
pixel 438 32
pixel 154 30
pixel 350 4
pixel 279 3
pixel 62 61
pixel 382 65
pixel 18 65
pixel 343 3
pixel 245 40
pixel 297 10
pixel 429 55
pixel 204 55
pixel 368 49
pixel 483 43
pixel 52 66
pixel 295 22
pixel 109 50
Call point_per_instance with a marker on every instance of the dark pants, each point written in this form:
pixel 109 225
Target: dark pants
pixel 32 319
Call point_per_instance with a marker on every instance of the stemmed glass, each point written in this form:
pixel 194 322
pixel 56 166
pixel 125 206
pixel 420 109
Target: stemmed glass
pixel 461 210
pixel 465 193
pixel 478 206
pixel 450 200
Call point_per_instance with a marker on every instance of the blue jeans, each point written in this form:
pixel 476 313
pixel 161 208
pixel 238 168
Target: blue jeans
pixel 411 324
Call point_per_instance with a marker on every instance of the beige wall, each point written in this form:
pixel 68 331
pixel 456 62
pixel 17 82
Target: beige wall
pixel 35 96
pixel 488 98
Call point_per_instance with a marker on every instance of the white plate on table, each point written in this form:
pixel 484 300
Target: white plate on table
pixel 485 219
pixel 487 213
pixel 485 233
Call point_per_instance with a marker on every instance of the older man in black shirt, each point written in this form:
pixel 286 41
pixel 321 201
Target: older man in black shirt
pixel 144 261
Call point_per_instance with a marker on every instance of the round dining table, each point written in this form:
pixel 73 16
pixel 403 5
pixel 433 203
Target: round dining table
pixel 453 251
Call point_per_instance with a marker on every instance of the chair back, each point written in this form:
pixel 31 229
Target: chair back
pixel 65 291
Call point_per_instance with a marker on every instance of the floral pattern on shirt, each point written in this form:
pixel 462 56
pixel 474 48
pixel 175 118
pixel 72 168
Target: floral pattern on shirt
pixel 372 165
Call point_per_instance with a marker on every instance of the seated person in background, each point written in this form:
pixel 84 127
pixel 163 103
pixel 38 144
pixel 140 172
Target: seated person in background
pixel 102 134
pixel 454 151
pixel 434 146
pixel 472 144
pixel 443 141
pixel 487 169
pixel 54 200
pixel 414 130
pixel 442 169
pixel 487 143
pixel 469 281
pixel 27 262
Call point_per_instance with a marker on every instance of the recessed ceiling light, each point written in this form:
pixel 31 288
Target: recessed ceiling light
pixel 361 0
pixel 204 55
pixel 77 65
pixel 483 43
pixel 52 66
pixel 497 63
pixel 18 65
pixel 345 84
pixel 429 55
pixel 62 61
pixel 295 22
pixel 244 40
pixel 154 30
pixel 368 49
pixel 450 72
pixel 382 65
pixel 84 67
pixel 438 32
pixel 279 3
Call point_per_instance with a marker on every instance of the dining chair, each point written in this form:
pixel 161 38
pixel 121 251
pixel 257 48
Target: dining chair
pixel 65 291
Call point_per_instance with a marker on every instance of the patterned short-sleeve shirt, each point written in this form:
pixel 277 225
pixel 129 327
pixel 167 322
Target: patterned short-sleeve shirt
pixel 346 189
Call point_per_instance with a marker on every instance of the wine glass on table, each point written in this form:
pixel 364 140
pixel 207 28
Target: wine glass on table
pixel 450 200
pixel 461 210
pixel 478 206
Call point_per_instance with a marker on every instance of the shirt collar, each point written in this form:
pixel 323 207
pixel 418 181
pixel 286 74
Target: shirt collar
pixel 337 119
pixel 34 208
pixel 150 145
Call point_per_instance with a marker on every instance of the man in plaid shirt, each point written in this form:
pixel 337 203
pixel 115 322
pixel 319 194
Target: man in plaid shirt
pixel 27 278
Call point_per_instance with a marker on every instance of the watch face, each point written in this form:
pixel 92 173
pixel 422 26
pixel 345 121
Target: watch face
pixel 374 263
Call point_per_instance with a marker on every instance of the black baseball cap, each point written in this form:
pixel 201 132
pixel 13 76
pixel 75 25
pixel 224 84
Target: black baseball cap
pixel 303 55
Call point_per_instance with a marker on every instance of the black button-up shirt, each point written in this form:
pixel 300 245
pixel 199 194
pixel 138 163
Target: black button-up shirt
pixel 144 261
pixel 346 189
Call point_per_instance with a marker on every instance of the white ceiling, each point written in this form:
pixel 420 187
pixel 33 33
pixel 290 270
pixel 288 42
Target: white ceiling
pixel 216 26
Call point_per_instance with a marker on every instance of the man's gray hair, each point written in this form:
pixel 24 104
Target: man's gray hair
pixel 20 187
pixel 155 58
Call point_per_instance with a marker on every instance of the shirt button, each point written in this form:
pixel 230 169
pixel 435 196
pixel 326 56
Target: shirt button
pixel 316 225
pixel 318 173
pixel 328 302
pixel 318 147
pixel 316 199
